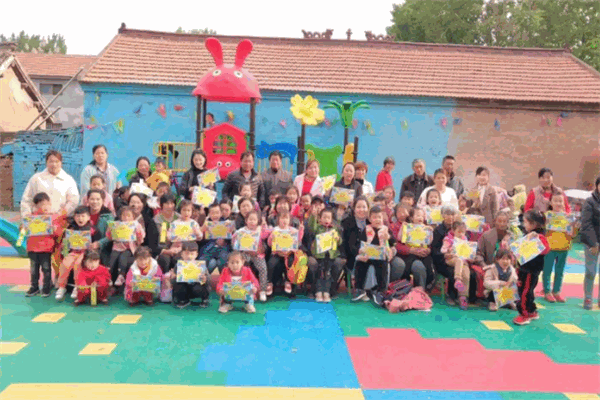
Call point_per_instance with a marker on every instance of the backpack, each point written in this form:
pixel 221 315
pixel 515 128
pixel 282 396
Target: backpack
pixel 398 290
pixel 296 273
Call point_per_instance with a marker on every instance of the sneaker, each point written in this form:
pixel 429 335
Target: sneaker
pixel 378 298
pixel 183 305
pixel 46 292
pixel 262 296
pixel 269 289
pixel 319 297
pixel 358 295
pixel 103 301
pixel 463 304
pixel 492 306
pixel 149 302
pixel 60 294
pixel 120 280
pixel 326 298
pixel 288 288
pixel 32 292
pixel 549 298
pixel 225 308
pixel 521 320
pixel 204 303
pixel 250 308
pixel 587 304
pixel 74 293
pixel 458 285
pixel 311 295
pixel 559 298
pixel 450 301
pixel 513 306
pixel 534 315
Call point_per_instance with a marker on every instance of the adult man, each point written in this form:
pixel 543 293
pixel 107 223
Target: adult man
pixel 275 177
pixel 384 177
pixel 246 174
pixel 454 181
pixel 418 181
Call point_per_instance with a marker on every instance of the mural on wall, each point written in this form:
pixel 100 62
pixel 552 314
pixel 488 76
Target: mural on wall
pixel 328 158
pixel 346 111
pixel 263 149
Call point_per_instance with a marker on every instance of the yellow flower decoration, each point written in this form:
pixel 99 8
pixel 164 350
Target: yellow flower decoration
pixel 306 110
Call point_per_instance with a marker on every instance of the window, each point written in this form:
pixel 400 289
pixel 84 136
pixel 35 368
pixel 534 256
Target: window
pixel 224 144
pixel 50 89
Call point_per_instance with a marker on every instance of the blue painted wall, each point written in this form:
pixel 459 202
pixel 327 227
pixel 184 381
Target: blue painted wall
pixel 421 136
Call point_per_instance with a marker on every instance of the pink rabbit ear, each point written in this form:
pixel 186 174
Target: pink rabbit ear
pixel 214 46
pixel 244 48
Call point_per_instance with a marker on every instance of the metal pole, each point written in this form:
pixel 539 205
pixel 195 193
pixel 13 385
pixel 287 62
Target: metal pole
pixel 345 139
pixel 204 112
pixel 252 124
pixel 45 119
pixel 198 121
pixel 55 97
pixel 301 149
pixel 355 152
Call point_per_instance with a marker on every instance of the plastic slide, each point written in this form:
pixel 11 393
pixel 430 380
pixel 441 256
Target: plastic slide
pixel 10 233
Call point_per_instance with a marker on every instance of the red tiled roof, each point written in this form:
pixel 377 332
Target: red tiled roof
pixel 339 66
pixel 54 65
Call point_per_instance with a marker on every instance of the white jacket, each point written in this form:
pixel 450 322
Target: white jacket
pixel 61 189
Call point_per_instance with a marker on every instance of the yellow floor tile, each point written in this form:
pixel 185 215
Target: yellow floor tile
pixel 126 319
pixel 573 278
pixel 8 348
pixel 19 288
pixel 49 317
pixel 98 349
pixel 540 306
pixel 569 328
pixel 15 263
pixel 582 396
pixel 497 325
pixel 90 391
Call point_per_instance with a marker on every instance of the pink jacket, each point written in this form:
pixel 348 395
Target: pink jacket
pixel 246 275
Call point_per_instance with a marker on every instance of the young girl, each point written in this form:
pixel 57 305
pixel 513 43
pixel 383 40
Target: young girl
pixel 390 193
pixel 121 256
pixel 279 259
pixel 225 206
pixel 500 274
pixel 300 211
pixel 120 198
pixel 257 258
pixel 282 206
pixel 214 251
pixel 461 267
pixel 529 272
pixel 292 194
pixel 463 204
pixel 74 258
pixel 433 198
pixel 99 183
pixel 236 270
pixel 144 265
pixel 401 213
pixel 92 273
pixel 270 207
pixel 560 244
pixel 417 258
pixel 246 191
pixel 245 205
pixel 186 209
pixel 376 233
pixel 154 202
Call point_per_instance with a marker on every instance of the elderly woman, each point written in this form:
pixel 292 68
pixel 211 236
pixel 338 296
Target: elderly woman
pixel 590 237
pixel 100 166
pixel 143 171
pixel 539 197
pixel 309 181
pixel 448 195
pixel 56 183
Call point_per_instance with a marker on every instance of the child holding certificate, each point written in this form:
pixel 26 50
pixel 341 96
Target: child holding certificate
pixel 127 235
pixel 236 274
pixel 282 253
pixel 215 250
pixel 191 279
pixel 92 274
pixel 143 279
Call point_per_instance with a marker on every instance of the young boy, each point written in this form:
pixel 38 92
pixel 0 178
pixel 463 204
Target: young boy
pixel 498 275
pixel 381 201
pixel 40 248
pixel 214 251
pixel 183 292
pixel 408 199
pixel 236 270
pixel 322 264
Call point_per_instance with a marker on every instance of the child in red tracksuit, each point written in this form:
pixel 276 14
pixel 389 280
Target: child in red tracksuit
pixel 529 273
pixel 40 248
pixel 92 273
pixel 235 269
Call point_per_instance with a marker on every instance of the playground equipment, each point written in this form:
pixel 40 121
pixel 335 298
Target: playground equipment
pixel 10 233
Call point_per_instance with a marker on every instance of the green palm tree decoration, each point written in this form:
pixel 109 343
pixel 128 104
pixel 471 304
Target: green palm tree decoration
pixel 346 110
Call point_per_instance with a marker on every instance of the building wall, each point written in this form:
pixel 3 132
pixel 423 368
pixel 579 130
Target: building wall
pixel 139 108
pixel 17 110
pixel 70 101
pixel 524 143
pixel 6 182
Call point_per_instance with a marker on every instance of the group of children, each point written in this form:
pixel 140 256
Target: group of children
pixel 130 264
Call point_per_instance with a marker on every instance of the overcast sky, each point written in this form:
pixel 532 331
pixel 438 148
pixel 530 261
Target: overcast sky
pixel 89 27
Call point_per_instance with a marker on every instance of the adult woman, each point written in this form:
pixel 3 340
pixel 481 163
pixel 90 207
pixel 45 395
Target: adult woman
pixel 360 175
pixel 590 237
pixel 190 178
pixel 489 243
pixel 486 204
pixel 439 183
pixel 539 197
pixel 143 214
pixel 309 181
pixel 347 181
pixel 100 216
pixel 56 183
pixel 142 166
pixel 100 166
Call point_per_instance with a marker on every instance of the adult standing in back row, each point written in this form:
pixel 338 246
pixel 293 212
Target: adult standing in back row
pixel 384 177
pixel 418 181
pixel 453 181
pixel 246 174
pixel 539 197
pixel 100 166
pixel 275 177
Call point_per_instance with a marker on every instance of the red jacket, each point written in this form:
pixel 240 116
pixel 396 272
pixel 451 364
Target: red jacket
pixel 383 179
pixel 47 244
pixel 246 275
pixel 100 275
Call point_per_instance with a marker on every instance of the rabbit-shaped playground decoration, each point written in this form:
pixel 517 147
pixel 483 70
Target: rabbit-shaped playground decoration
pixel 228 82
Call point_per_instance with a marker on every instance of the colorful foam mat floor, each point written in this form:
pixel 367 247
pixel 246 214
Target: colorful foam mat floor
pixel 297 349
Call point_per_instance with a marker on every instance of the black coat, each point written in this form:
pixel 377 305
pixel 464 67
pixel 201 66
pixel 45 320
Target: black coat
pixel 350 240
pixel 590 220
